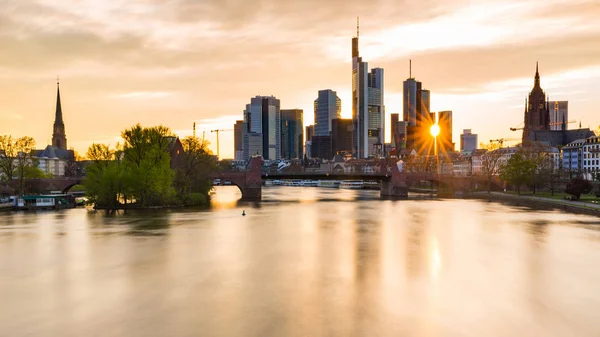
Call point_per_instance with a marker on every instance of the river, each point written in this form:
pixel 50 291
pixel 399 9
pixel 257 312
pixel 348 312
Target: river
pixel 304 262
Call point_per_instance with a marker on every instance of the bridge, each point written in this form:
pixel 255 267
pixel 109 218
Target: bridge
pixel 393 183
pixel 47 185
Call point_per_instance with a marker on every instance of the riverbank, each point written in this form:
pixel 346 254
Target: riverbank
pixel 579 207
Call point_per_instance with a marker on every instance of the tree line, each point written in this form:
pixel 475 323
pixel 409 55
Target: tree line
pixel 149 169
pixel 17 163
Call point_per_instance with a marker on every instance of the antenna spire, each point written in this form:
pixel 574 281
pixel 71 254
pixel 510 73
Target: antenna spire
pixel 409 68
pixel 357 27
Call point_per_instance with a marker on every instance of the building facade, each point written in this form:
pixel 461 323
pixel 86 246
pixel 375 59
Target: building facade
pixel 327 106
pixel 445 143
pixel 468 141
pixel 341 136
pixel 559 115
pixel 292 134
pixel 537 114
pixel 262 118
pixel 368 108
pixel 572 156
pixel 321 147
pixel 591 156
pixel 238 140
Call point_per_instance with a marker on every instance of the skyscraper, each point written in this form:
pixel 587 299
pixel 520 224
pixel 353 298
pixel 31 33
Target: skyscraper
pixel 559 115
pixel 394 118
pixel 262 119
pixel 468 141
pixel 59 137
pixel 341 136
pixel 445 143
pixel 327 106
pixel 238 140
pixel 292 134
pixel 417 114
pixel 367 106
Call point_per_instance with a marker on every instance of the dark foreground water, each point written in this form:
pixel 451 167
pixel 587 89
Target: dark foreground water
pixel 306 262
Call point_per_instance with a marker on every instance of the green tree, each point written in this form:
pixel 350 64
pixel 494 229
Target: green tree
pixel 518 171
pixel 192 175
pixel 147 164
pixel 104 178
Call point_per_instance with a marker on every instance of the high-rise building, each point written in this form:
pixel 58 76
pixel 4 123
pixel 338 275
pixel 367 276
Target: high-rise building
pixel 417 114
pixel 368 109
pixel 238 140
pixel 310 131
pixel 394 118
pixel 559 115
pixel 341 136
pixel 445 143
pixel 292 134
pixel 262 117
pixel 321 147
pixel 59 137
pixel 468 141
pixel 400 136
pixel 327 106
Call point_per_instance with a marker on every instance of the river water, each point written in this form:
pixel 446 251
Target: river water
pixel 304 262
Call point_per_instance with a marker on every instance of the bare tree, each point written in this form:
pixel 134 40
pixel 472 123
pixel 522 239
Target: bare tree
pixel 16 159
pixel 491 163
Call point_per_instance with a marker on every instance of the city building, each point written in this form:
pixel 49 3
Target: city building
pixel 321 147
pixel 591 156
pixel 262 117
pixel 394 118
pixel 327 106
pixel 292 134
pixel 537 120
pixel 417 114
pixel 400 135
pixel 468 141
pixel 559 115
pixel 310 131
pixel 368 109
pixel 572 156
pixel 341 136
pixel 55 159
pixel 238 140
pixel 445 143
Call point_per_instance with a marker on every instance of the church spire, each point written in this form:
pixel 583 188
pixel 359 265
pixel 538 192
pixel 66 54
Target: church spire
pixel 537 75
pixel 58 119
pixel 59 138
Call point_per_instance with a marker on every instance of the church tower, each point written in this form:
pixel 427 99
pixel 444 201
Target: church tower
pixel 537 112
pixel 59 138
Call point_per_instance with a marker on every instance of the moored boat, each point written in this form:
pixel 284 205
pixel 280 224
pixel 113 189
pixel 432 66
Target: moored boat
pixel 352 184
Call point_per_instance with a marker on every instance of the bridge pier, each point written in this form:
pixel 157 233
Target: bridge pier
pixel 396 187
pixel 251 193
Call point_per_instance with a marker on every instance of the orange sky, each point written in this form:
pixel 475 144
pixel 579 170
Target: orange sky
pixel 150 61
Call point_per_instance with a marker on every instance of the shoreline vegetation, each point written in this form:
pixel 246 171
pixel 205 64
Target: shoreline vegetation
pixel 590 207
pixel 152 169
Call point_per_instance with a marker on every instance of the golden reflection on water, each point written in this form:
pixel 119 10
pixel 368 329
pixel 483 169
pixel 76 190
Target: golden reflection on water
pixel 305 262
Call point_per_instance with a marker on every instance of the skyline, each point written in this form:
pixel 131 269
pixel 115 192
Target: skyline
pixel 184 68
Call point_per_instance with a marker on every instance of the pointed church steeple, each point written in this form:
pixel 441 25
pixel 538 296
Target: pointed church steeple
pixel 537 75
pixel 59 138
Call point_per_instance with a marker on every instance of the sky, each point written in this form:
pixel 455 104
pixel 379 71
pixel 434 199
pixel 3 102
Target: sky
pixel 177 62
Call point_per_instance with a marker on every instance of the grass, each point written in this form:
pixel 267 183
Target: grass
pixel 557 195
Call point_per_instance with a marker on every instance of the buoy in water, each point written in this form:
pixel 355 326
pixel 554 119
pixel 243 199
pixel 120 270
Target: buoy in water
pixel 244 213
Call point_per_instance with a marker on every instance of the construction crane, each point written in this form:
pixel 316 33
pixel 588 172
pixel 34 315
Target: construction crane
pixel 551 124
pixel 218 131
pixel 502 140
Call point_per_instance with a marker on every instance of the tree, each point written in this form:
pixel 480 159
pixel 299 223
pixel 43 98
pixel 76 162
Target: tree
pixel 518 171
pixel 147 161
pixel 578 186
pixel 491 163
pixel 16 159
pixel 104 179
pixel 193 174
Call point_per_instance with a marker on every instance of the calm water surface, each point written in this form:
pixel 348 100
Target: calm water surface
pixel 305 262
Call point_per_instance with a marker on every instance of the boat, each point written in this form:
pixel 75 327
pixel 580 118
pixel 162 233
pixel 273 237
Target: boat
pixel 51 201
pixel 371 185
pixel 352 184
pixel 329 183
pixel 310 183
